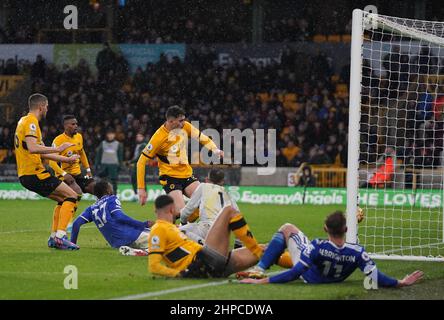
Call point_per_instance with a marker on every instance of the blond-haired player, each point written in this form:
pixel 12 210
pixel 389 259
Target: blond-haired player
pixel 30 153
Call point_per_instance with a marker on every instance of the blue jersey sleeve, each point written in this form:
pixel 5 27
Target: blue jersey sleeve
pixel 290 275
pixel 124 219
pixel 368 266
pixel 85 217
pixel 115 209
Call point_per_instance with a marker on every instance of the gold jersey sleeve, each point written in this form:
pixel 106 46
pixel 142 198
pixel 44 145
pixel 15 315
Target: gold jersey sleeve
pixel 28 163
pixel 176 249
pixel 71 168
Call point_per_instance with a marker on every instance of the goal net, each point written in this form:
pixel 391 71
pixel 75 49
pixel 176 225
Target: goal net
pixel 396 132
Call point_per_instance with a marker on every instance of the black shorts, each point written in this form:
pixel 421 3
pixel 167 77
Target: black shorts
pixel 208 264
pixel 170 183
pixel 42 187
pixel 83 182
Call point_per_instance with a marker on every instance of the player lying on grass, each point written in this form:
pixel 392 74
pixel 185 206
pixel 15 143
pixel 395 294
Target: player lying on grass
pixel 321 261
pixel 119 230
pixel 169 145
pixel 206 202
pixel 173 254
pixel 30 153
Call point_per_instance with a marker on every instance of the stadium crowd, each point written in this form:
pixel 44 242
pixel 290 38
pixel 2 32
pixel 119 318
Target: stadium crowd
pixel 170 22
pixel 312 128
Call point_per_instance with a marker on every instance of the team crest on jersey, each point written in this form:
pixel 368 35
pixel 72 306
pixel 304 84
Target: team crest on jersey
pixel 365 256
pixel 155 240
pixel 172 186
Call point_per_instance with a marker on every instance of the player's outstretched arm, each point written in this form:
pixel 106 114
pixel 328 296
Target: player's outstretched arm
pixel 81 220
pixel 122 218
pixel 85 163
pixel 59 158
pixel 35 148
pixel 192 205
pixel 203 139
pixel 141 192
pixel 156 267
pixel 283 277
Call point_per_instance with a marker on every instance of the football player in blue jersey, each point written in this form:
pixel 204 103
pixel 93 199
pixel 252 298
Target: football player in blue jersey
pixel 119 230
pixel 321 261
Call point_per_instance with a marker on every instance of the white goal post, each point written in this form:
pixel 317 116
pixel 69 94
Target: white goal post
pixel 395 169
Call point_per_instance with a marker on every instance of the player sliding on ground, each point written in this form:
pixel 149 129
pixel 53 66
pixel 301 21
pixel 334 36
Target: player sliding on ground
pixel 169 145
pixel 172 254
pixel 321 261
pixel 30 153
pixel 119 230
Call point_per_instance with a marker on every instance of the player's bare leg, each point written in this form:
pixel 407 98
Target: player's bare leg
pixel 218 237
pixel 242 259
pixel 74 186
pixel 179 203
pixel 189 190
pixel 68 197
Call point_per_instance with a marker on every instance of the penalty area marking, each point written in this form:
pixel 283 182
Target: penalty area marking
pixel 174 290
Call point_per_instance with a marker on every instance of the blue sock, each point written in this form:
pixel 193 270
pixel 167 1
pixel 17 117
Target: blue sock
pixel 275 248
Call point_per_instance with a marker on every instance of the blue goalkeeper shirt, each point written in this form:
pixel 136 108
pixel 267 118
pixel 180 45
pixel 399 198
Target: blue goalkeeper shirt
pixel 324 262
pixel 117 228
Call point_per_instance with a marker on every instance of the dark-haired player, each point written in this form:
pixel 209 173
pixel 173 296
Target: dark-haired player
pixel 71 173
pixel 321 261
pixel 173 254
pixel 30 153
pixel 169 145
pixel 119 230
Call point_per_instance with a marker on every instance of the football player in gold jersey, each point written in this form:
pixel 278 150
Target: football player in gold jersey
pixel 169 145
pixel 71 173
pixel 30 153
pixel 173 254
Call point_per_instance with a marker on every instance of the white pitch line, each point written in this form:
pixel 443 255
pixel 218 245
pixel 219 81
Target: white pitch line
pixel 164 292
pixel 186 288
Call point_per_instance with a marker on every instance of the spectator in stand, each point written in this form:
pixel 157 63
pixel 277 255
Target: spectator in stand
pixel 105 61
pixel 109 158
pixel 10 68
pixel 290 152
pixel 38 68
pixel 6 143
pixel 304 177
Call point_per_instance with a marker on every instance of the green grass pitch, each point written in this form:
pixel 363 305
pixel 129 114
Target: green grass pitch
pixel 30 270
